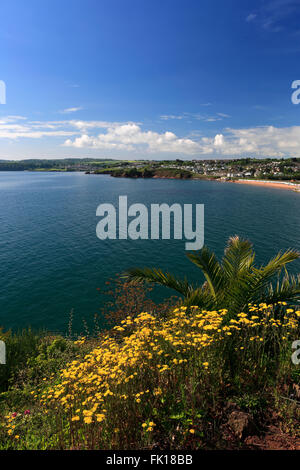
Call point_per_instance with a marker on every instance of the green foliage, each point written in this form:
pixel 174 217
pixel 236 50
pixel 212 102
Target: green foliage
pixel 248 364
pixel 180 408
pixel 232 283
pixel 20 347
pixel 52 355
pixel 31 357
pixel 253 403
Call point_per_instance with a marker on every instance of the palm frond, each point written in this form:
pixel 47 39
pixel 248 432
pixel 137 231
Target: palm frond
pixel 287 290
pixel 238 257
pixel 157 276
pixel 234 283
pixel 200 297
pixel 261 277
pixel 207 261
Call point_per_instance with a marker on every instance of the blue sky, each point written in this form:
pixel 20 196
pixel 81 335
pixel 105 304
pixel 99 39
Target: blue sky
pixel 155 79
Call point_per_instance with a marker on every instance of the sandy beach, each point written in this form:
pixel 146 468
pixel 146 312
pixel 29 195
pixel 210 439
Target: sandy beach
pixel 271 184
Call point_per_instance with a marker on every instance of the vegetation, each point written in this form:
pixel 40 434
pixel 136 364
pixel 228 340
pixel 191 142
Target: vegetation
pixel 232 283
pixel 154 381
pixel 21 346
pixel 66 164
pixel 170 376
pixel 284 169
pixel 147 172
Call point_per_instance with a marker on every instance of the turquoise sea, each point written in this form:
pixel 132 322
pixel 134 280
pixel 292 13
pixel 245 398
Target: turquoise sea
pixel 51 260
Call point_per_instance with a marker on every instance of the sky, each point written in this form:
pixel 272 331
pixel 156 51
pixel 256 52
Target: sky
pixel 149 79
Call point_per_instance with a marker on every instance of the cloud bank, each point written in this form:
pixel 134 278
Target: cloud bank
pixel 257 141
pixel 266 141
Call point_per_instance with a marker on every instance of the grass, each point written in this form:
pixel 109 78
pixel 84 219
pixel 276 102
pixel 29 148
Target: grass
pixel 152 381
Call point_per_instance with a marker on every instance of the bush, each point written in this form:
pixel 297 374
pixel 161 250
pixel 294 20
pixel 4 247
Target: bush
pixel 20 346
pixel 160 381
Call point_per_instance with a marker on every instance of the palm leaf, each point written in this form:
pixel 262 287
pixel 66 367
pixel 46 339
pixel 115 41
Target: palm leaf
pixel 234 283
pixel 239 256
pixel 159 277
pixel 251 285
pixel 262 276
pixel 200 297
pixel 208 263
pixel 287 290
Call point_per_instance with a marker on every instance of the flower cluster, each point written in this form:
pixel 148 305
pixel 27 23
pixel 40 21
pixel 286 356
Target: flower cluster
pixel 129 367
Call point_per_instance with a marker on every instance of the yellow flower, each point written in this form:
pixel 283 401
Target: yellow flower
pixel 100 417
pixel 192 431
pixel 115 366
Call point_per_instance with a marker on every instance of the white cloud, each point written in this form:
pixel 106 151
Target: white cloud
pixel 85 125
pixel 71 110
pixel 219 140
pixel 15 127
pixel 267 141
pixel 258 141
pixel 131 137
pixel 197 116
pixel 166 117
pixel 8 119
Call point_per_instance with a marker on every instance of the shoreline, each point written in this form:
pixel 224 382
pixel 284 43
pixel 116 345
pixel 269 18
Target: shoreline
pixel 272 184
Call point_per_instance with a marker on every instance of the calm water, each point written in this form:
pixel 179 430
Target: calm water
pixel 51 260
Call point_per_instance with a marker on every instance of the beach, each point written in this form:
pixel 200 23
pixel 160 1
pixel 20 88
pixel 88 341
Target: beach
pixel 271 184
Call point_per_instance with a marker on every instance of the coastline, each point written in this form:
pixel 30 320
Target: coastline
pixel 272 184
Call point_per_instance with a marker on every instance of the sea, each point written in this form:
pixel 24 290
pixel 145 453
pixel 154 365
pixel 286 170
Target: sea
pixel 52 262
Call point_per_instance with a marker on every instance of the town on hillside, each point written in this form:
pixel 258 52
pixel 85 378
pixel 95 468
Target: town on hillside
pixel 287 169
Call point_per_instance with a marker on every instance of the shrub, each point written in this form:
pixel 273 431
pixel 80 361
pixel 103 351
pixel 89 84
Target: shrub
pixel 19 347
pixel 162 380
